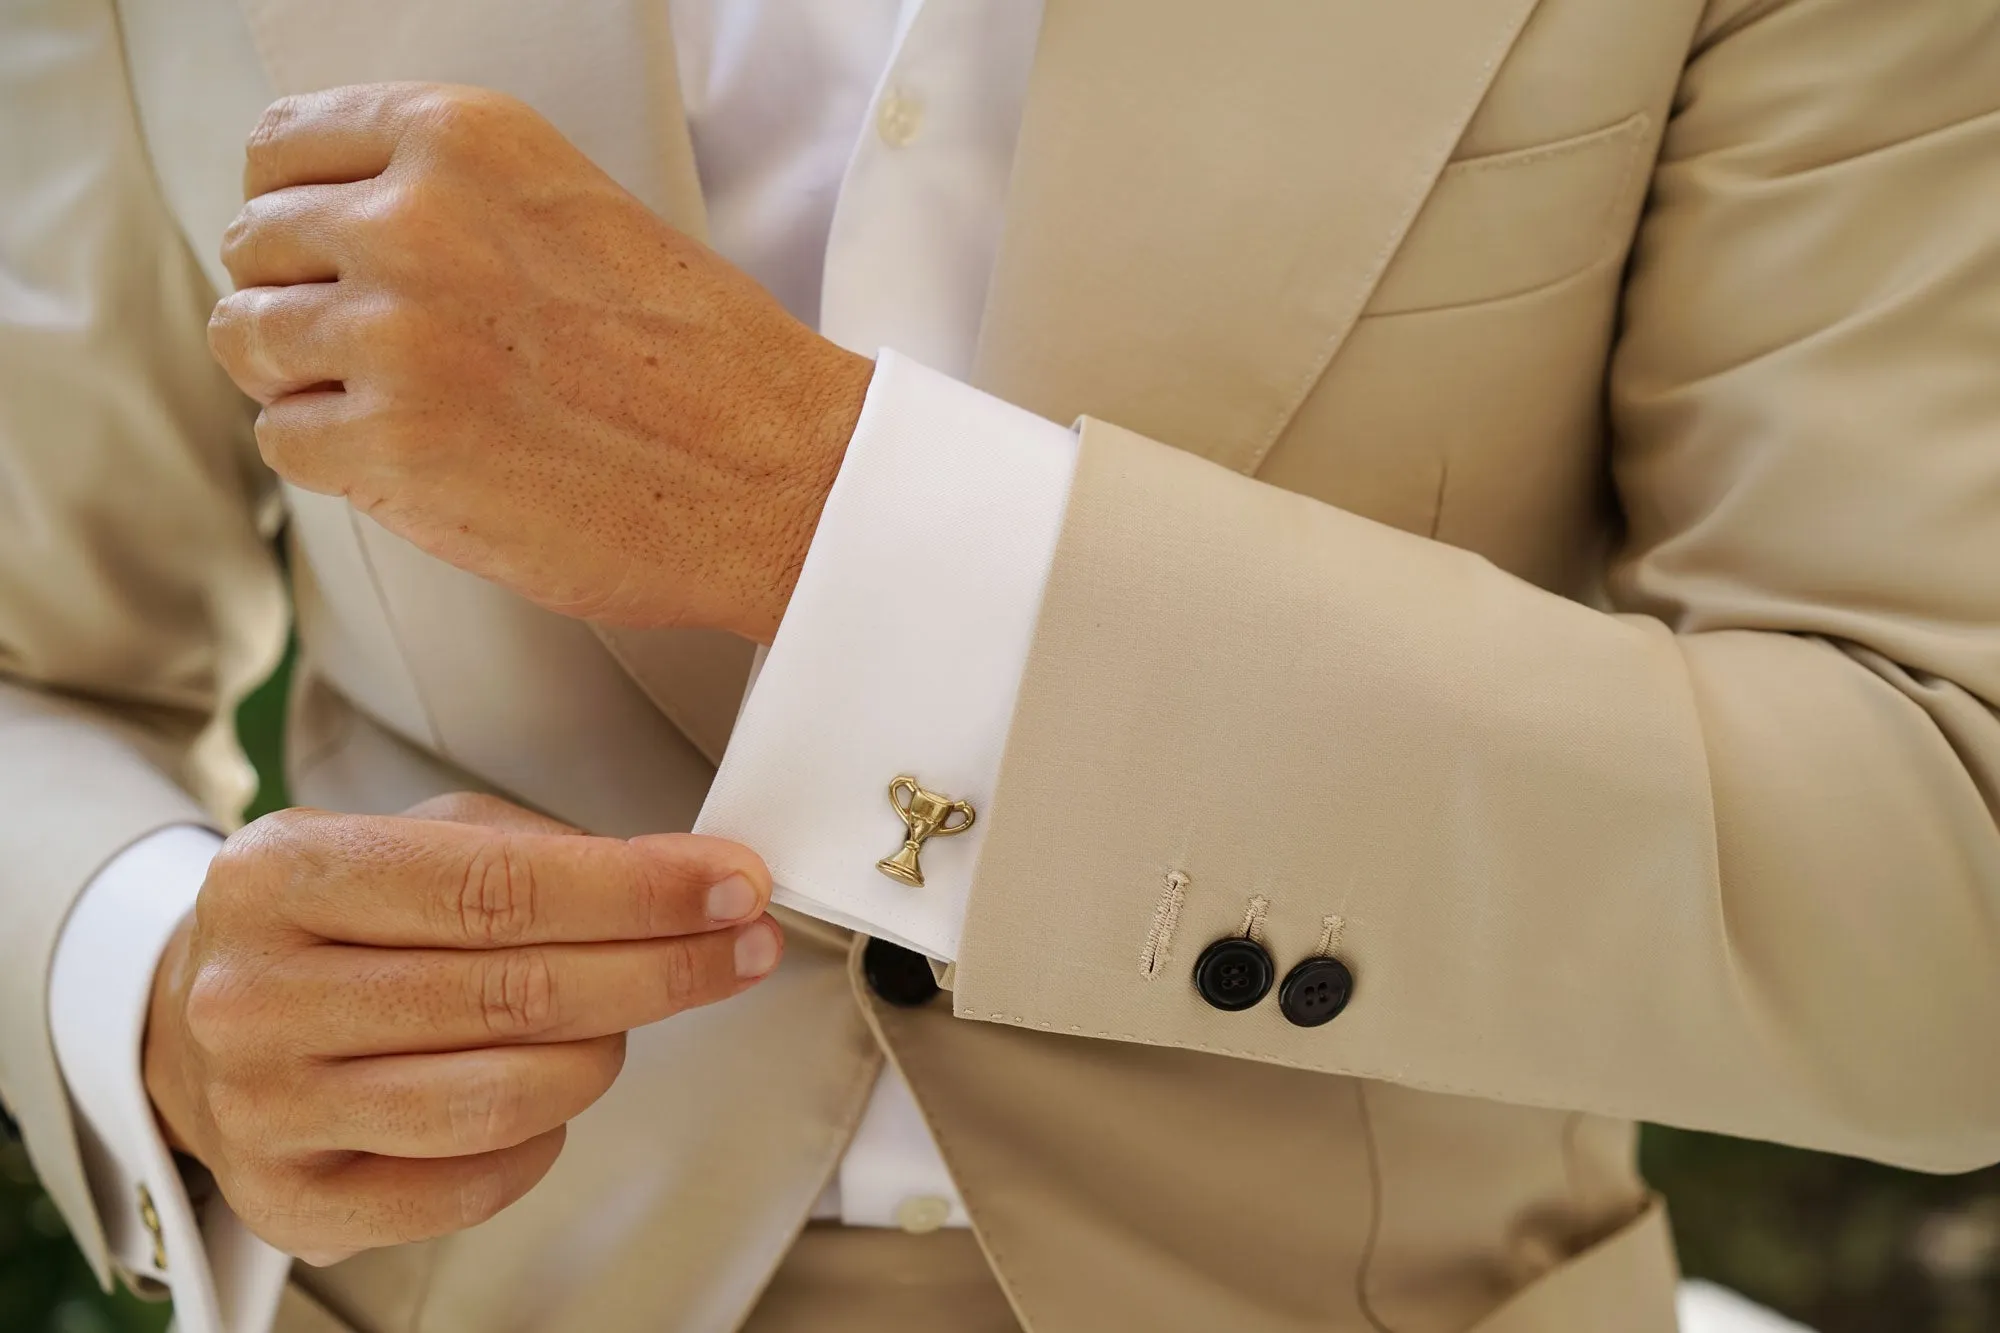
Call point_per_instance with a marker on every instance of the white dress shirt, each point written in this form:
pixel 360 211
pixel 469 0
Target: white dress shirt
pixel 854 158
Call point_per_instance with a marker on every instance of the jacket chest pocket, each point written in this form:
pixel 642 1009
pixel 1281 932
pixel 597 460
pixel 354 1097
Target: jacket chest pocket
pixel 1464 405
pixel 1511 223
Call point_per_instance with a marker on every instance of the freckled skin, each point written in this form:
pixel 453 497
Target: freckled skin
pixel 484 342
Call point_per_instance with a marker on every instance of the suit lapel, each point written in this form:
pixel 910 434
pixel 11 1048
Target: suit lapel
pixel 603 72
pixel 1204 195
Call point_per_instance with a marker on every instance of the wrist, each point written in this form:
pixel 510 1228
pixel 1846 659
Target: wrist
pixel 830 408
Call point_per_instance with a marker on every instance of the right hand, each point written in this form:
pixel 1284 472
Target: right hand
pixel 373 1030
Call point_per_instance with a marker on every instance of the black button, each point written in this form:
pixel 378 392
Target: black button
pixel 1234 973
pixel 898 976
pixel 1315 991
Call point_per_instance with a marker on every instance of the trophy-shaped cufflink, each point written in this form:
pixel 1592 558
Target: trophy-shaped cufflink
pixel 926 815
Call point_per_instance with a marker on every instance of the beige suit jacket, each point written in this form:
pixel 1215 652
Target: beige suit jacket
pixel 1539 505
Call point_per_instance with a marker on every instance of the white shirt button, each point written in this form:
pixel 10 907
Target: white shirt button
pixel 898 119
pixel 922 1212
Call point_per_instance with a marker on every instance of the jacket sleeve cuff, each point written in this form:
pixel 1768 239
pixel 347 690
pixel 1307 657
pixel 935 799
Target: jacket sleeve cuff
pixel 224 1279
pixel 901 654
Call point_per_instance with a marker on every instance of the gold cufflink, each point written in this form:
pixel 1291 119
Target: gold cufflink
pixel 926 815
pixel 150 1217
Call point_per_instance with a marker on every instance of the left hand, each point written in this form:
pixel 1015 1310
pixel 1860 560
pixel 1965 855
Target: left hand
pixel 457 321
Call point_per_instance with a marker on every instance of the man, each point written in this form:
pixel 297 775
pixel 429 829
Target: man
pixel 1336 812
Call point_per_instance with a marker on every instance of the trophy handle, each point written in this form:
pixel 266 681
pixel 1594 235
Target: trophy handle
pixel 947 828
pixel 903 783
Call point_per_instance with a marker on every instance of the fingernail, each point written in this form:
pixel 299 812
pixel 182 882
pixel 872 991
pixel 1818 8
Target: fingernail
pixel 756 950
pixel 732 899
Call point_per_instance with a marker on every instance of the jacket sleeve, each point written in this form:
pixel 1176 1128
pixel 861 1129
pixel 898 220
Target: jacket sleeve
pixel 138 600
pixel 1722 854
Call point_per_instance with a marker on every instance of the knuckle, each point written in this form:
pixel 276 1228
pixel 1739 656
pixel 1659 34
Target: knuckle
pixel 459 116
pixel 662 899
pixel 402 206
pixel 282 860
pixel 272 446
pixel 405 1219
pixel 311 1209
pixel 280 1206
pixel 684 979
pixel 236 237
pixel 396 1219
pixel 293 842
pixel 272 127
pixel 279 832
pixel 478 1197
pixel 444 110
pixel 317 1211
pixel 258 309
pixel 232 904
pixel 382 1216
pixel 392 225
pixel 238 863
pixel 484 1112
pixel 220 1011
pixel 497 895
pixel 250 314
pixel 237 1113
pixel 228 333
pixel 516 993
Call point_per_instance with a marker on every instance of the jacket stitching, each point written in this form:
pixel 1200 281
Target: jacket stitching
pixel 1633 126
pixel 1331 927
pixel 1254 913
pixel 1166 916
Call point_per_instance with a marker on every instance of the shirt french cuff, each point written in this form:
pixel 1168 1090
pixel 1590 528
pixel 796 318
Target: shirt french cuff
pixel 900 655
pixel 224 1279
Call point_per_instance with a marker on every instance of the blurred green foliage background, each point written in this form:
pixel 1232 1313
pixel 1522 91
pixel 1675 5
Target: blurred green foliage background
pixel 1841 1245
